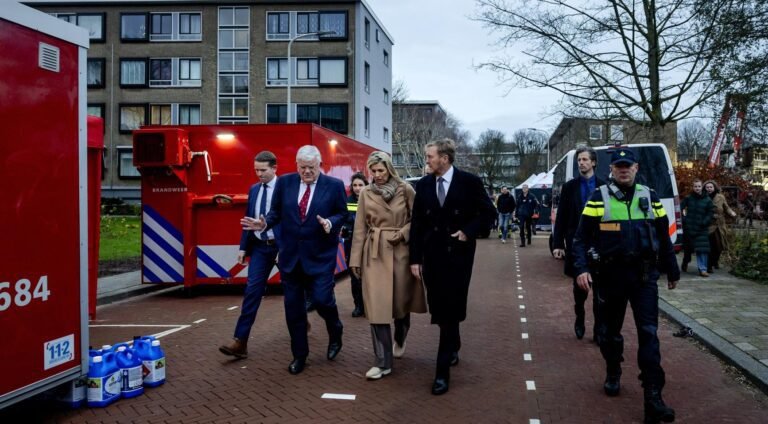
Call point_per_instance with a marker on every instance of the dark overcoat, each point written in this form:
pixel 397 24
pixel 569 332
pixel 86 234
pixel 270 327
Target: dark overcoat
pixel 697 215
pixel 447 262
pixel 569 209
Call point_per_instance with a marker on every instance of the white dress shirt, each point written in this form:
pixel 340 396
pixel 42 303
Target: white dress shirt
pixel 270 189
pixel 448 176
pixel 303 188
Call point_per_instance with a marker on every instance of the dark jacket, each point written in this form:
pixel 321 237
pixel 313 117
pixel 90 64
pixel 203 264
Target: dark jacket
pixel 306 242
pixel 526 205
pixel 569 211
pixel 349 223
pixel 447 262
pixel 248 238
pixel 506 203
pixel 696 219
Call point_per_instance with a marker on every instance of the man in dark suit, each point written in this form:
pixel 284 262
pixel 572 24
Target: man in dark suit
pixel 311 209
pixel 260 248
pixel 450 209
pixel 573 197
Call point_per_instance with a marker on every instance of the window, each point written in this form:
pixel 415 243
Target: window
pixel 329 115
pixel 617 133
pixel 93 22
pixel 333 71
pixel 96 73
pixel 176 26
pixel 386 135
pixel 367 122
pixel 96 109
pixel 233 107
pixel 132 116
pixel 386 96
pixel 189 114
pixel 277 71
pixel 234 16
pixel 133 72
pixel 174 72
pixel 386 58
pixel 367 33
pixel 278 26
pixel 162 26
pixel 595 132
pixel 277 114
pixel 397 159
pixel 367 77
pixel 378 38
pixel 233 61
pixel 233 38
pixel 307 22
pixel 160 114
pixel 133 27
pixel 336 22
pixel 125 167
pixel 233 84
pixel 334 117
pixel 306 72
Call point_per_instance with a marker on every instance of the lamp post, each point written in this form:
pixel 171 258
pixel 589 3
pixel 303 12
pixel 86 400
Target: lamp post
pixel 546 134
pixel 289 114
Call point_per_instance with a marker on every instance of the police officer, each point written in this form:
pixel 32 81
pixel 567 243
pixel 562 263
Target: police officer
pixel 357 182
pixel 623 243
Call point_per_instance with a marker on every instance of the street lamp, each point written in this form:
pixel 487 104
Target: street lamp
pixel 546 134
pixel 289 114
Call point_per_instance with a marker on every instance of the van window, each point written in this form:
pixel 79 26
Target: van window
pixel 558 179
pixel 654 171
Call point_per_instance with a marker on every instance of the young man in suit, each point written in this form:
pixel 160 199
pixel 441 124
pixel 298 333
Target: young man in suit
pixel 573 197
pixel 260 248
pixel 311 209
pixel 450 209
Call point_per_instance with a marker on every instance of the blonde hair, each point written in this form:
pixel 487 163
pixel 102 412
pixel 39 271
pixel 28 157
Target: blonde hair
pixel 378 157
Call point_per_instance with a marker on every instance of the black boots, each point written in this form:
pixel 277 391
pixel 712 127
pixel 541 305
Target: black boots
pixel 612 383
pixel 655 408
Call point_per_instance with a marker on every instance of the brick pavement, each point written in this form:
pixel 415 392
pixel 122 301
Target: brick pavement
pixel 489 385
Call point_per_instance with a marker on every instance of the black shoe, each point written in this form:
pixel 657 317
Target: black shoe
pixel 357 312
pixel 454 359
pixel 297 366
pixel 612 384
pixel 684 266
pixel 440 386
pixel 579 329
pixel 522 245
pixel 333 349
pixel 655 408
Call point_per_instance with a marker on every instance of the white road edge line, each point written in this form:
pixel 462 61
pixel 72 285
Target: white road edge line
pixel 171 331
pixel 139 325
pixel 338 396
pixel 530 385
pixel 199 321
pixel 232 308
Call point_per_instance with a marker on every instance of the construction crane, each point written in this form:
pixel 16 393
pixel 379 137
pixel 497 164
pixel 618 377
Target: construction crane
pixel 737 103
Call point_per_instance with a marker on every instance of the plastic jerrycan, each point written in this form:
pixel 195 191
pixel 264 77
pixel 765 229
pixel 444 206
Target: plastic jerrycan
pixel 153 359
pixel 131 371
pixel 104 381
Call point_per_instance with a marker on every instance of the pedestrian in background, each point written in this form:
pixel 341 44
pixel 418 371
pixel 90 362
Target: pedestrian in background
pixel 697 210
pixel 527 204
pixel 380 257
pixel 749 209
pixel 450 210
pixel 505 205
pixel 623 237
pixel 573 197
pixel 356 185
pixel 260 249
pixel 310 208
pixel 718 227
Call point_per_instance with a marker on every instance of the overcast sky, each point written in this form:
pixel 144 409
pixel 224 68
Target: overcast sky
pixel 436 49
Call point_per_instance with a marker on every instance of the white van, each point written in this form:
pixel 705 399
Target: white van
pixel 655 172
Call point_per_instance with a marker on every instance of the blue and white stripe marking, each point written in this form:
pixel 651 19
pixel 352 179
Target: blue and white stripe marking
pixel 162 249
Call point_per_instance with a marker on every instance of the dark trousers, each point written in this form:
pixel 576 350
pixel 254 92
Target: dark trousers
pixel 321 288
pixel 450 342
pixel 715 249
pixel 579 298
pixel 619 284
pixel 355 283
pixel 261 262
pixel 525 229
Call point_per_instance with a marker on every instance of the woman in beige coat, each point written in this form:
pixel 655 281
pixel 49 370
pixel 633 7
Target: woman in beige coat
pixel 718 228
pixel 380 257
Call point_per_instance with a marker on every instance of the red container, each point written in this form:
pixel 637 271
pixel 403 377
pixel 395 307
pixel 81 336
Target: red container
pixel 95 164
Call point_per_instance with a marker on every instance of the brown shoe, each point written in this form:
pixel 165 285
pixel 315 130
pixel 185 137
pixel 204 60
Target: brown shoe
pixel 237 348
pixel 703 274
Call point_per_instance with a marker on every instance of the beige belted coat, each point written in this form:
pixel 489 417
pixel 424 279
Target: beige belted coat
pixel 389 288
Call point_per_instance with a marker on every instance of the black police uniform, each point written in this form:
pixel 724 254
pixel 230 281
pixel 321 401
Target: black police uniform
pixel 623 241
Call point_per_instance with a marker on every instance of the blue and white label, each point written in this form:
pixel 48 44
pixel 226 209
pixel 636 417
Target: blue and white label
pixel 59 351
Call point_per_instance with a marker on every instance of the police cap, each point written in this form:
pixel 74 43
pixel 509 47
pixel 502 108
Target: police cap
pixel 623 155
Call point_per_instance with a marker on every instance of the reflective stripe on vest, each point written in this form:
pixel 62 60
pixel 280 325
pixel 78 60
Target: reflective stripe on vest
pixel 616 210
pixel 352 207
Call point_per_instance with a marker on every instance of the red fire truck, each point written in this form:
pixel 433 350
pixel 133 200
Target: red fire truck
pixel 194 185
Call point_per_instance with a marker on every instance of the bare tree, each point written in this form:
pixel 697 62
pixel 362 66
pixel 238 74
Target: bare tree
pixel 531 148
pixel 415 128
pixel 693 140
pixel 641 60
pixel 399 92
pixel 488 159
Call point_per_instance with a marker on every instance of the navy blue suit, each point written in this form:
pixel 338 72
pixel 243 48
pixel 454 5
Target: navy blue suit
pixel 308 254
pixel 262 255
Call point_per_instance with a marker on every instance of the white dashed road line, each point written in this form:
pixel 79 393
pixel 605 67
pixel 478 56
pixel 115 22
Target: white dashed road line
pixel 527 357
pixel 530 385
pixel 338 396
pixel 198 321
pixel 232 308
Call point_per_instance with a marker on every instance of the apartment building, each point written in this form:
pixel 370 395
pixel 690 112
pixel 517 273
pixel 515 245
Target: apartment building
pixel 208 62
pixel 572 132
pixel 416 123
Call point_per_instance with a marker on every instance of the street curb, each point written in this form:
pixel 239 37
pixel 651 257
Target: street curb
pixel 131 292
pixel 753 369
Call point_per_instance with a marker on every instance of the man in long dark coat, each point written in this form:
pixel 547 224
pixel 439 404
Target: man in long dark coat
pixel 450 209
